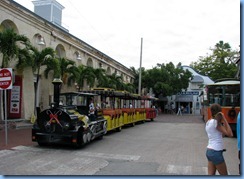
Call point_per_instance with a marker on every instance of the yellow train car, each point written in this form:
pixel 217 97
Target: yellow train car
pixel 121 108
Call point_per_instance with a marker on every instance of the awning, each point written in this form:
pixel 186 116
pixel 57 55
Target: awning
pixel 197 79
pixel 163 99
pixel 184 98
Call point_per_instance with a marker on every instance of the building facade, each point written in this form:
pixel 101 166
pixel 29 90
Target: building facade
pixel 189 100
pixel 44 32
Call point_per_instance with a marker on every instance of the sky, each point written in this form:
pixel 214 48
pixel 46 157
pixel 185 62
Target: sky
pixel 172 30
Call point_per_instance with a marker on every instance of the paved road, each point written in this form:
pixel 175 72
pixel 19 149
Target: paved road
pixel 170 145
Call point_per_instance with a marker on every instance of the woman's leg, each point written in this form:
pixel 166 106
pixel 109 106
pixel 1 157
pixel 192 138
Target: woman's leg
pixel 222 169
pixel 211 168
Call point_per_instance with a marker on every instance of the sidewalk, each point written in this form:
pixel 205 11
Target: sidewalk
pixel 21 135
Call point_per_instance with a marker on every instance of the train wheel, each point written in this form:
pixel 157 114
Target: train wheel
pixel 84 137
pixel 119 129
pixel 42 144
pixel 133 124
pixel 105 127
pixel 80 139
pixel 100 137
pixel 88 137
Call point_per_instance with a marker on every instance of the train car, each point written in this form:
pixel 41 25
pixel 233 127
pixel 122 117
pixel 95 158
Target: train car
pixel 121 108
pixel 106 102
pixel 112 107
pixel 225 92
pixel 67 120
pixel 151 112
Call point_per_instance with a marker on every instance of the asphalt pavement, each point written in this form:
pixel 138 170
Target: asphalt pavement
pixel 178 144
pixel 21 134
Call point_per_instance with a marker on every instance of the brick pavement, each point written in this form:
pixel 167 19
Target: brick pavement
pixel 16 137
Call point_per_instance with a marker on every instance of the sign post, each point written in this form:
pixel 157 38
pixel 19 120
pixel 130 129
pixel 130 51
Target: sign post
pixel 5 83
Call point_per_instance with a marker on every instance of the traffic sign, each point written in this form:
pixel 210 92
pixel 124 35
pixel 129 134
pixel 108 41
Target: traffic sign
pixel 5 78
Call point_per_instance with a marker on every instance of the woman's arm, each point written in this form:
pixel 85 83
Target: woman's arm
pixel 223 126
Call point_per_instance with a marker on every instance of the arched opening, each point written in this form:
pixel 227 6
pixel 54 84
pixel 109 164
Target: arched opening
pixel 60 51
pixel 108 71
pixel 89 62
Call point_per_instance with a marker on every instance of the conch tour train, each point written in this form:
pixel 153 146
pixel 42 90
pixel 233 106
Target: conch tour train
pixel 77 118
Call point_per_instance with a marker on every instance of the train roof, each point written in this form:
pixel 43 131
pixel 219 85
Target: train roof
pixel 79 93
pixel 114 93
pixel 226 82
pixel 149 98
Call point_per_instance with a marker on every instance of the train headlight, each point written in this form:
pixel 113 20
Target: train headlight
pixel 66 125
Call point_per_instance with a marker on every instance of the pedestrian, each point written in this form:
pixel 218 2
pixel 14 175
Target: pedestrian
pixel 103 104
pixel 182 108
pixel 238 135
pixel 97 109
pixel 216 128
pixel 179 112
pixel 172 108
pixel 91 113
pixel 98 106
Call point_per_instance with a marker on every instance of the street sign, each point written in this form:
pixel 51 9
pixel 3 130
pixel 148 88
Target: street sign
pixel 5 78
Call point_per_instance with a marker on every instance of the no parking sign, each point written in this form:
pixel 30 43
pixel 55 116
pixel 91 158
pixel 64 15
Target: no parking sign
pixel 5 78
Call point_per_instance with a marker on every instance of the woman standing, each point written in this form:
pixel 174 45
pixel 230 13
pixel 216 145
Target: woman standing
pixel 216 128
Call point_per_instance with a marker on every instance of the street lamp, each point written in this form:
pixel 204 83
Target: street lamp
pixel 78 57
pixel 139 85
pixel 40 40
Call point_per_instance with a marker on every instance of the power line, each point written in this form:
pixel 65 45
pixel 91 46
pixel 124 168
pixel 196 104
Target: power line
pixel 91 26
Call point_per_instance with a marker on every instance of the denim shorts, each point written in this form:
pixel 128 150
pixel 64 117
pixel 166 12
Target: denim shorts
pixel 215 156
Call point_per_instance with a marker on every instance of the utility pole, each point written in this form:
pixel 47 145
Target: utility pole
pixel 139 86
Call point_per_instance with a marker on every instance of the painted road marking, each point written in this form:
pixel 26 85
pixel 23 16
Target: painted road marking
pixel 6 152
pixel 110 156
pixel 26 148
pixel 187 170
pixel 86 154
pixel 181 170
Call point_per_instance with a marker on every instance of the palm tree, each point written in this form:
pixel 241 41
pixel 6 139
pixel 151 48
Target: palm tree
pixel 52 64
pixel 62 68
pixel 66 67
pixel 10 45
pixel 24 60
pixel 130 88
pixel 115 82
pixel 10 48
pixel 101 77
pixel 89 75
pixel 77 76
pixel 39 59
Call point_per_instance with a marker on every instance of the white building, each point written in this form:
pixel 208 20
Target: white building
pixel 190 99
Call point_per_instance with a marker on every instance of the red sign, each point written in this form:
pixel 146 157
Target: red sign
pixel 5 78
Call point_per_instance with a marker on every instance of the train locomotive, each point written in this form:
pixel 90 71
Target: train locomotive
pixel 67 121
